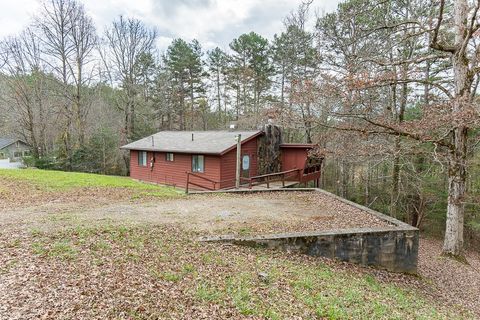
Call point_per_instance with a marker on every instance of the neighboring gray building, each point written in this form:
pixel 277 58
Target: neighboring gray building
pixel 13 149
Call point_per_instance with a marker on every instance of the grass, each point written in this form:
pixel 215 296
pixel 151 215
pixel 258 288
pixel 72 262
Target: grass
pixel 206 292
pixel 161 272
pixel 166 275
pixel 51 180
pixel 228 277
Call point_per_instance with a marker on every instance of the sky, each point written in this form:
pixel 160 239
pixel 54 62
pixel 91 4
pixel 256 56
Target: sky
pixel 212 22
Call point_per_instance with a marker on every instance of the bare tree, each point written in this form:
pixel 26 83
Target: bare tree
pixel 25 84
pixel 127 41
pixel 464 55
pixel 68 39
pixel 84 39
pixel 56 25
pixel 450 114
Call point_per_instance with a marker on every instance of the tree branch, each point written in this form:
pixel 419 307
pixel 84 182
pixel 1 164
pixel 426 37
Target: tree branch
pixel 391 130
pixel 434 44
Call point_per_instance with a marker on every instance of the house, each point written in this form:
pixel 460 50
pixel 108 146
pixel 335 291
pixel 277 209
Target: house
pixel 207 159
pixel 13 149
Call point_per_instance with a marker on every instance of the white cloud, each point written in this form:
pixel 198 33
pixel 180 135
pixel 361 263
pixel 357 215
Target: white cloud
pixel 15 15
pixel 212 22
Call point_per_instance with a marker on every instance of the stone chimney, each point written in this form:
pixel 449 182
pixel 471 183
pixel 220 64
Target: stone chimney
pixel 269 156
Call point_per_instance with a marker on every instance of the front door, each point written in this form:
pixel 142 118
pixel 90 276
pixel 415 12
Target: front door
pixel 246 166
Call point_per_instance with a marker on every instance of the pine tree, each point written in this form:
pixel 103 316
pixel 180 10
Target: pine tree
pixel 184 62
pixel 251 71
pixel 217 65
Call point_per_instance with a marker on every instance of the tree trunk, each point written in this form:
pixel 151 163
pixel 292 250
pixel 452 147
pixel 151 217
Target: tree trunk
pixel 125 125
pixel 457 156
pixel 395 180
pixel 453 243
pixel 367 185
pixel 308 124
pixel 78 105
pixel 31 130
pixel 399 114
pixel 343 179
pixel 192 102
pixel 132 118
pixel 219 100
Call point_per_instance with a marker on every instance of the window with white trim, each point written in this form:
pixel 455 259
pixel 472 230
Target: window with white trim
pixel 198 163
pixel 142 158
pixel 169 156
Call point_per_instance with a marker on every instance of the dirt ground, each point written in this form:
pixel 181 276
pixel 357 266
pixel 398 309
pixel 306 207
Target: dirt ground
pixel 207 214
pixel 451 281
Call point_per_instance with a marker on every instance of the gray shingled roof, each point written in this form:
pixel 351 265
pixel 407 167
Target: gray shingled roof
pixel 209 142
pixel 5 142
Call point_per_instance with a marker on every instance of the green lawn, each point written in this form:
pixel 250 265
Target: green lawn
pixel 60 180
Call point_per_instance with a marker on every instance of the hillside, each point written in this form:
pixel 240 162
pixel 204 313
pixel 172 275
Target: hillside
pixel 80 246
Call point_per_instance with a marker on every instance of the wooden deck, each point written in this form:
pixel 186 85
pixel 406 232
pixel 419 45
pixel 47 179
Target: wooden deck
pixel 270 181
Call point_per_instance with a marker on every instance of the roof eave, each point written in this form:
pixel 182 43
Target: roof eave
pixel 299 145
pixel 8 145
pixel 243 141
pixel 127 147
pixel 172 151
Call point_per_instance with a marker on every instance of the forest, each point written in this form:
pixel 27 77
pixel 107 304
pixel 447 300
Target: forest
pixel 387 89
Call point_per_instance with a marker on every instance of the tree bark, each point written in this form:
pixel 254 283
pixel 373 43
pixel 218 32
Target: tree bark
pixel 343 179
pixel 457 156
pixel 453 244
pixel 395 179
pixel 367 185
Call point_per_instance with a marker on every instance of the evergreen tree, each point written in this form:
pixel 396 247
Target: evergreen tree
pixel 218 67
pixel 252 69
pixel 184 63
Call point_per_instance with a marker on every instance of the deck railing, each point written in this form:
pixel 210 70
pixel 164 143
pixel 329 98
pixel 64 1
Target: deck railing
pixel 302 175
pixel 312 168
pixel 272 177
pixel 311 173
pixel 213 183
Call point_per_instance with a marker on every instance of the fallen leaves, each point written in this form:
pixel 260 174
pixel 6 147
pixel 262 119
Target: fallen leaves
pixel 124 271
pixel 92 263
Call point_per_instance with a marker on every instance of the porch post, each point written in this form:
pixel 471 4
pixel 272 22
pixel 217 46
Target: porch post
pixel 238 168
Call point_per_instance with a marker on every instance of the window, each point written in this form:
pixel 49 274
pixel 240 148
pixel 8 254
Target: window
pixel 168 156
pixel 26 153
pixel 246 162
pixel 17 154
pixel 142 158
pixel 198 163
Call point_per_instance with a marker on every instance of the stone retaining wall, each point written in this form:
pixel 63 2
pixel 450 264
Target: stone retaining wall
pixel 394 248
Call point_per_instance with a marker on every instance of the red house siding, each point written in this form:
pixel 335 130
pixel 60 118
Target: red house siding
pixel 293 158
pixel 173 172
pixel 229 162
pixel 217 168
